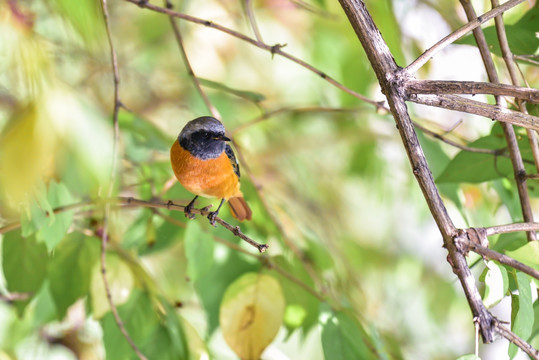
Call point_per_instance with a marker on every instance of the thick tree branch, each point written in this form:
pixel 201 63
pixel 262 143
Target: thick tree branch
pixel 470 87
pixel 495 112
pixel 387 72
pixel 457 34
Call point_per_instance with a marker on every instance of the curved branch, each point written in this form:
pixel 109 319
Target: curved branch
pixel 104 235
pixel 196 82
pixel 273 49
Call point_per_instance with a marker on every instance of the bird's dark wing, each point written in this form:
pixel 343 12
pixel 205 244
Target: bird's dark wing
pixel 230 154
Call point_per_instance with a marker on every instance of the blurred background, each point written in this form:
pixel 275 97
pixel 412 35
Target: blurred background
pixel 324 172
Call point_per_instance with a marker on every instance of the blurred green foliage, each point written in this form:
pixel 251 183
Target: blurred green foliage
pixel 352 247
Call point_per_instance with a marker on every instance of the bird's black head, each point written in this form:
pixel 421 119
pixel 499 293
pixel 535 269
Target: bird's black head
pixel 204 137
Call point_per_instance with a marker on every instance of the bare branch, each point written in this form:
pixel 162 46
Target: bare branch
pixel 495 112
pixel 171 206
pixel 273 49
pixel 457 34
pixel 387 73
pixel 470 87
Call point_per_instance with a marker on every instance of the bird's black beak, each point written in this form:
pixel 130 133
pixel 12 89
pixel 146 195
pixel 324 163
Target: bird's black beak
pixel 222 138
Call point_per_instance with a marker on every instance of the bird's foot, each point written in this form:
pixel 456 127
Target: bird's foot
pixel 211 217
pixel 188 213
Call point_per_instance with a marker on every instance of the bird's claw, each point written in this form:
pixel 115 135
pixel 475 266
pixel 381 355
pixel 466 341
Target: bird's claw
pixel 188 213
pixel 211 217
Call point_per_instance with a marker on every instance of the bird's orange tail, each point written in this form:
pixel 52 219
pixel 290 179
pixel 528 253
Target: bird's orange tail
pixel 239 208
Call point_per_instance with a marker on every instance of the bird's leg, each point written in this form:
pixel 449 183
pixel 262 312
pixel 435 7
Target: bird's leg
pixel 189 207
pixel 213 214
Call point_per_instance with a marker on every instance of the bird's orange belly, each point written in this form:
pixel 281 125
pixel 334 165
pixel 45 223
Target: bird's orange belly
pixel 208 178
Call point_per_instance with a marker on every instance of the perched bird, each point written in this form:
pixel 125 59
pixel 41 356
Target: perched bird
pixel 206 166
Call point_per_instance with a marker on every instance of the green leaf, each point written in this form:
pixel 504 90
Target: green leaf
pixel 70 269
pixel 343 337
pixel 521 36
pixel 496 284
pixel 57 225
pixel 140 321
pixel 521 310
pixel 147 330
pixel 199 251
pixel 476 167
pixel 24 261
pixel 251 314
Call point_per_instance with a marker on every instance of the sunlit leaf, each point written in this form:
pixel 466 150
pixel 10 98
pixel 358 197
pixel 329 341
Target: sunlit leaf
pixel 24 262
pixel 251 314
pixel 496 284
pixel 70 269
pixel 26 154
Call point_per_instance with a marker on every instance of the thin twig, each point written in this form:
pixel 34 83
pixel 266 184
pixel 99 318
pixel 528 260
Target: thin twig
pixel 273 49
pixel 501 258
pixel 176 29
pixel 252 20
pixel 104 235
pixel 470 87
pixel 171 206
pixel 267 262
pixel 457 34
pixel 515 339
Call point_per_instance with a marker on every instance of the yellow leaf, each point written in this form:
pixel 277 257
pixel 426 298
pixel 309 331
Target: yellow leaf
pixel 251 314
pixel 27 147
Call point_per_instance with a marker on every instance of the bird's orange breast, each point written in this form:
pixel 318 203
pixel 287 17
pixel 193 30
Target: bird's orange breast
pixel 208 178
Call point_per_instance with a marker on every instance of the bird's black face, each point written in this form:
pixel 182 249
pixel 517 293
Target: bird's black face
pixel 204 138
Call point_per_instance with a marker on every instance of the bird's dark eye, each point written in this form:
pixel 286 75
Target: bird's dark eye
pixel 205 134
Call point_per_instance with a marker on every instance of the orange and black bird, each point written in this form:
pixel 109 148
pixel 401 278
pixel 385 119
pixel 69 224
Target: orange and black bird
pixel 205 165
